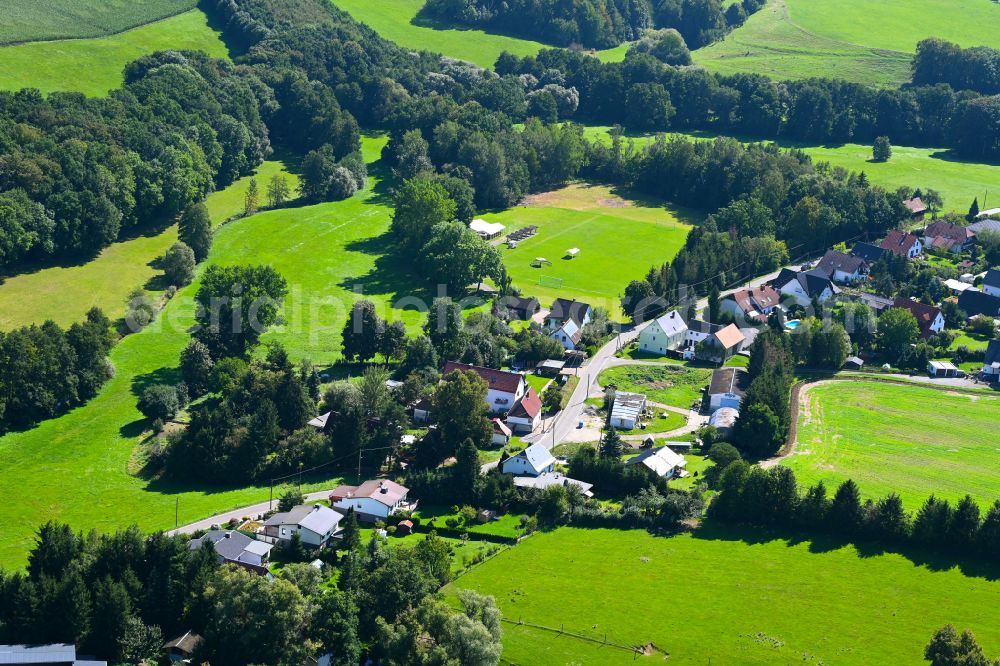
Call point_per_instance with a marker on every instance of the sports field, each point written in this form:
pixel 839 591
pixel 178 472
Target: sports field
pixel 910 440
pixel 94 66
pixel 65 293
pixel 671 384
pixel 619 239
pixel 857 40
pixel 715 598
pixel 76 468
pixel 397 21
pixel 958 181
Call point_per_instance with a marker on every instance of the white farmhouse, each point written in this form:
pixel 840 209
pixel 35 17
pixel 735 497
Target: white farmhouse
pixel 503 389
pixel 314 523
pixel 533 461
pixel 375 499
pixel 662 461
pixel 663 334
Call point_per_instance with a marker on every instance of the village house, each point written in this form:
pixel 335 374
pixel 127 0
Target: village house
pixel 564 310
pixel 804 286
pixel 874 301
pixel 663 462
pixel 727 388
pixel 568 334
pixel 946 236
pixel 627 409
pixel 663 334
pixel 503 389
pixel 974 302
pixel 546 479
pixel 918 209
pixel 235 547
pixel 55 654
pixel 752 305
pixel 986 224
pixel 501 433
pixel 375 499
pixel 315 524
pixel 517 307
pixel 902 243
pixel 532 461
pixel 870 253
pixel 526 414
pixel 991 282
pixel 699 331
pixel 181 648
pixel 929 317
pixel 721 345
pixel 843 268
pixel 991 362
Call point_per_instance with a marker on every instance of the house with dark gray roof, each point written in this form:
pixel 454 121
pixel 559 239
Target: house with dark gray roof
pixel 991 282
pixel 728 387
pixel 564 309
pixel 991 361
pixel 315 524
pixel 804 286
pixel 234 546
pixel 973 302
pixel 868 252
pixel 843 268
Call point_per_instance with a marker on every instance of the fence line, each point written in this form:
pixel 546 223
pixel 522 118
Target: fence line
pixel 562 631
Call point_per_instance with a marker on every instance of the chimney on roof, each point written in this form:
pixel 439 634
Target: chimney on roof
pixel 382 489
pixel 317 507
pixel 228 534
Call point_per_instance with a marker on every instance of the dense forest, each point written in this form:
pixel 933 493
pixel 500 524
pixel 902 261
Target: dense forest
pixel 598 24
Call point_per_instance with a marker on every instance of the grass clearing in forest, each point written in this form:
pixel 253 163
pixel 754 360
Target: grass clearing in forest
pixel 94 66
pixel 76 468
pixel 619 239
pixel 397 21
pixel 911 440
pixel 726 596
pixel 863 42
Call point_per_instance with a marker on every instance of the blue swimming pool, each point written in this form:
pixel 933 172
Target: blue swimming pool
pixel 792 324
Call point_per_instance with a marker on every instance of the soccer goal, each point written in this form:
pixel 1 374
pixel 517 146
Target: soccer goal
pixel 550 281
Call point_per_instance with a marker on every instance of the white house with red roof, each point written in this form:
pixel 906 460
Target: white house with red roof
pixel 526 413
pixel 501 433
pixel 503 389
pixel 375 499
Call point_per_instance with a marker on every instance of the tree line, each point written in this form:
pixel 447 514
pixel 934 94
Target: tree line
pixel 660 97
pixel 46 370
pixel 78 173
pixel 598 24
pixel 120 596
pixel 940 61
pixel 755 496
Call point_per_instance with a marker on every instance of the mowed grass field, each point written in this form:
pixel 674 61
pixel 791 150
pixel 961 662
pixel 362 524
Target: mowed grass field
pixel 78 468
pixel 671 384
pixel 397 21
pixel 619 239
pixel 68 19
pixel 857 40
pixel 911 440
pixel 958 181
pixel 65 293
pixel 94 66
pixel 713 598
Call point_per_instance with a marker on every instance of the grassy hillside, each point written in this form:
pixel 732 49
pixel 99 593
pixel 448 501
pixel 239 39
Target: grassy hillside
pixel 80 467
pixel 68 19
pixel 867 42
pixel 958 181
pixel 905 439
pixel 619 239
pixel 65 293
pixel 397 21
pixel 94 66
pixel 725 597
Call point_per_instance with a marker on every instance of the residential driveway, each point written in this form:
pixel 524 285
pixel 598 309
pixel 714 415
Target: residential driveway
pixel 253 510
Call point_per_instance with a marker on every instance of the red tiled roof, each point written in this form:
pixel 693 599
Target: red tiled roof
pixel 925 314
pixel 915 205
pixel 898 242
pixel 957 234
pixel 498 380
pixel 528 406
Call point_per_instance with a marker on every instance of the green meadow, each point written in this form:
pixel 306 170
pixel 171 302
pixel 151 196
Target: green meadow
pixel 864 42
pixel 65 293
pixel 721 596
pixel 619 239
pixel 94 66
pixel 671 384
pixel 397 21
pixel 83 467
pixel 906 439
pixel 68 19
pixel 958 181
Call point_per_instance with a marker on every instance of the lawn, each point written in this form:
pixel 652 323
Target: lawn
pixel 971 340
pixel 958 181
pixel 508 525
pixel 462 552
pixel 396 20
pixel 668 383
pixel 67 19
pixel 94 66
pixel 860 41
pixel 605 227
pixel 719 596
pixel 76 468
pixel 911 440
pixel 537 382
pixel 663 422
pixel 65 293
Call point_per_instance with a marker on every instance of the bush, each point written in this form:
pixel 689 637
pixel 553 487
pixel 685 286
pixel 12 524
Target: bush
pixel 178 264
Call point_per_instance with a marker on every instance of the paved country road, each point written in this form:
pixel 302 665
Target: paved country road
pixel 252 510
